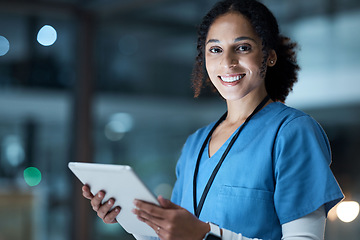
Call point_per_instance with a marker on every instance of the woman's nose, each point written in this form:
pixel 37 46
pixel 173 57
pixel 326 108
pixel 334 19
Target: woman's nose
pixel 229 61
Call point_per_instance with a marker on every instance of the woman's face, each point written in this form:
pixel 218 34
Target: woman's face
pixel 234 57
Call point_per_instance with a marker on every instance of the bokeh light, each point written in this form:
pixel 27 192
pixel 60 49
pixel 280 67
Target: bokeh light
pixel 32 176
pixel 13 150
pixel 4 46
pixel 118 125
pixel 47 35
pixel 347 211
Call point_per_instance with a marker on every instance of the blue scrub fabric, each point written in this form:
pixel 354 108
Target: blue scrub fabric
pixel 277 171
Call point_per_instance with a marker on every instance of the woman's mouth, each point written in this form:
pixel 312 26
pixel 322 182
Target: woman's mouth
pixel 231 79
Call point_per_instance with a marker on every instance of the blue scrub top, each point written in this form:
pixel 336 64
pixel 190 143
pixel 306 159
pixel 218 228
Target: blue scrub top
pixel 277 171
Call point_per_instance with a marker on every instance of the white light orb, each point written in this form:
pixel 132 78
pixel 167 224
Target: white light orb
pixel 47 35
pixel 347 211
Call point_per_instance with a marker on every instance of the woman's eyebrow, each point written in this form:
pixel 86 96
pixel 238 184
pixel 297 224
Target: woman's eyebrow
pixel 244 38
pixel 236 40
pixel 212 41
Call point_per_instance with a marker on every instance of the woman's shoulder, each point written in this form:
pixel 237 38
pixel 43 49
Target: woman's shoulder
pixel 283 119
pixel 293 122
pixel 283 110
pixel 281 113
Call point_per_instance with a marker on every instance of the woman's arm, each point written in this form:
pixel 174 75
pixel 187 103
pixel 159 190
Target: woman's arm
pixel 309 227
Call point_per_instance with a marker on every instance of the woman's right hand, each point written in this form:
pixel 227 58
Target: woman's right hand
pixel 103 210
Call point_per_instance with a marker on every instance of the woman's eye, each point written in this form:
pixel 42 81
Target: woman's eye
pixel 244 48
pixel 215 50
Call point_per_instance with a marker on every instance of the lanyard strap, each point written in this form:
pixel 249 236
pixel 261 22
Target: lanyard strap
pixel 198 208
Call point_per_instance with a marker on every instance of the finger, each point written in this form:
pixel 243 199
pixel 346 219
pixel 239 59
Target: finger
pixel 149 208
pixel 146 216
pixel 158 229
pixel 97 199
pixel 105 208
pixel 111 216
pixel 86 192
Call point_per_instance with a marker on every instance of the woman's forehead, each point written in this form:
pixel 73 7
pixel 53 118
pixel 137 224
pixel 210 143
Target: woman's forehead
pixel 232 24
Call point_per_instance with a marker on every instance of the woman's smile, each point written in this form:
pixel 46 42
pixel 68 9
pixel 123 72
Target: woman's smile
pixel 231 79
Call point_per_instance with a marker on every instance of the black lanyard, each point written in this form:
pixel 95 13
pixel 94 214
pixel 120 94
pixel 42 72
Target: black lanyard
pixel 198 208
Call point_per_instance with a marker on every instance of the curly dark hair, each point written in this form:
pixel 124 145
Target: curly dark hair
pixel 279 79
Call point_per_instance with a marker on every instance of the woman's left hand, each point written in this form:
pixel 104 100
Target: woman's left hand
pixel 171 221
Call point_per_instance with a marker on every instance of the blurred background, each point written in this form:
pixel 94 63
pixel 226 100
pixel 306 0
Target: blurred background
pixel 108 81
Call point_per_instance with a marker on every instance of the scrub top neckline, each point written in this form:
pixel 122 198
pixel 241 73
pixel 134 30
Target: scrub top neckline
pixel 221 149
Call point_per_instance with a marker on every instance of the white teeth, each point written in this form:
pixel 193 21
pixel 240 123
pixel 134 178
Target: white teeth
pixel 231 79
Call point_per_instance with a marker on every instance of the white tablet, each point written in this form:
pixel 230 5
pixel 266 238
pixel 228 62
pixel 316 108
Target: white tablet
pixel 121 183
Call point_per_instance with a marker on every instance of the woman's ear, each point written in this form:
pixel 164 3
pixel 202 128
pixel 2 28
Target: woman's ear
pixel 272 58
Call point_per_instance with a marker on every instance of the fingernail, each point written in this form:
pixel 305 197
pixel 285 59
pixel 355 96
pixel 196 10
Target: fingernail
pixel 117 210
pixel 110 202
pixel 135 202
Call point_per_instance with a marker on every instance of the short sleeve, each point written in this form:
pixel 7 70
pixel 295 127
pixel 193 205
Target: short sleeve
pixel 304 180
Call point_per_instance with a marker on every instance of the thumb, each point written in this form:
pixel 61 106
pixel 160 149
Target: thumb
pixel 165 203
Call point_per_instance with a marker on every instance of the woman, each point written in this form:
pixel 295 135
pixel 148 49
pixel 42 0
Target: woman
pixel 262 171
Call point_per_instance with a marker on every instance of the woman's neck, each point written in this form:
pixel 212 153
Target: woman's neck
pixel 239 110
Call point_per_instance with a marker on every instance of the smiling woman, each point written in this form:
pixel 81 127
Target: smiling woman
pixel 260 171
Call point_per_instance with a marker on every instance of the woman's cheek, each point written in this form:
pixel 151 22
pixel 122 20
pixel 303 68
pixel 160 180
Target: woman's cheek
pixel 211 68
